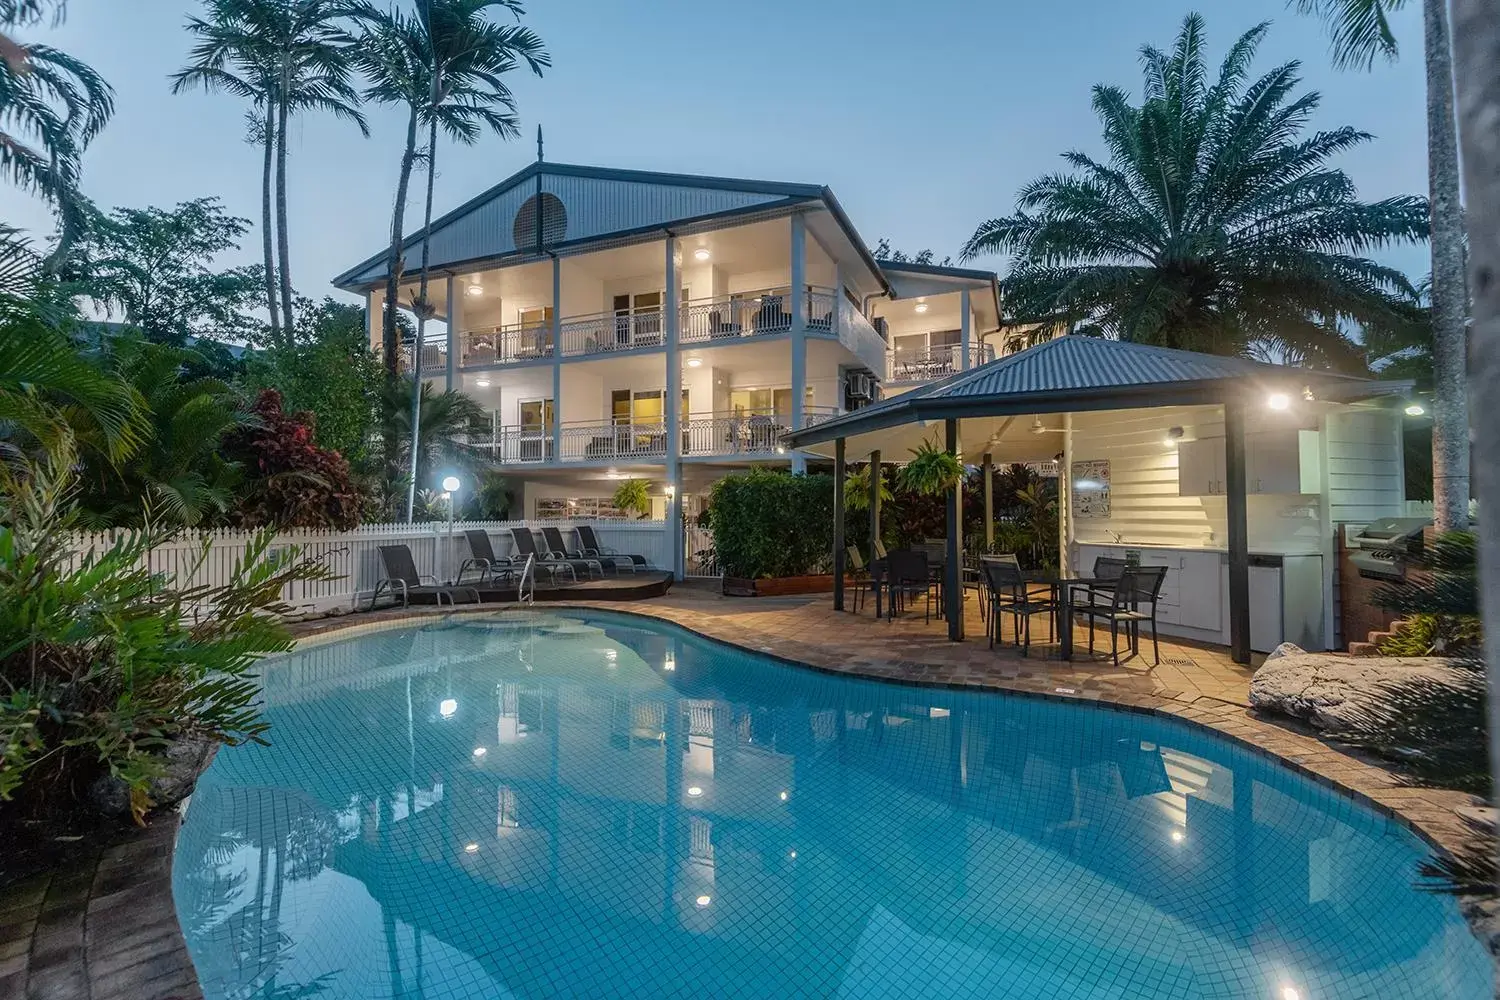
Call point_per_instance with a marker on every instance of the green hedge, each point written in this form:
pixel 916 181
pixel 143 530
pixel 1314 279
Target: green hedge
pixel 768 524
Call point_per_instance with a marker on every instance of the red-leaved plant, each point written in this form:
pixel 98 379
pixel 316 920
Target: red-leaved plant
pixel 290 481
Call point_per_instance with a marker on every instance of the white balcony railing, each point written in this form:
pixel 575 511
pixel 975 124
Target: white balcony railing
pixel 502 345
pixel 931 363
pixel 725 317
pixel 607 332
pixel 704 435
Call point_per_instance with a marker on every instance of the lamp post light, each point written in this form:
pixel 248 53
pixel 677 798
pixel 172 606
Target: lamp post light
pixel 451 485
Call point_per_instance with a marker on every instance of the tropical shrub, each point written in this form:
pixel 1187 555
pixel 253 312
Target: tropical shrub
pixel 290 482
pixel 769 524
pixel 1437 730
pixel 104 663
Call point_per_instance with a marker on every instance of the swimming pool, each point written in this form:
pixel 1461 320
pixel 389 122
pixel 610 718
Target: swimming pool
pixel 597 805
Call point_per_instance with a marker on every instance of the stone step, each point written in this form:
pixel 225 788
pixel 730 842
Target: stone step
pixel 1363 649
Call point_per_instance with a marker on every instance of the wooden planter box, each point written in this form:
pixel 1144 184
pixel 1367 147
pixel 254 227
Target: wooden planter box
pixel 778 586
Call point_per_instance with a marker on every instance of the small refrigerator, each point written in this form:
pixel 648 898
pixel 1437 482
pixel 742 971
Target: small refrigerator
pixel 1286 602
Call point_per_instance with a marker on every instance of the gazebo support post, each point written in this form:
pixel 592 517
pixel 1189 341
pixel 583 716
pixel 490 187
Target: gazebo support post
pixel 987 469
pixel 875 475
pixel 953 571
pixel 838 525
pixel 1239 531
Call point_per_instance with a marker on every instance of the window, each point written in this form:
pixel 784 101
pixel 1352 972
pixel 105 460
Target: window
pixel 554 221
pixel 765 403
pixel 945 338
pixel 536 414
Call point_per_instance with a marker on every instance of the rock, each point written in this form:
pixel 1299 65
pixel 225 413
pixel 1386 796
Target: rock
pixel 183 761
pixel 1285 649
pixel 1326 690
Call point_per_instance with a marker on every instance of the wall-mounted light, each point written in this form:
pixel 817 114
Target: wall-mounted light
pixel 1278 401
pixel 1415 409
pixel 701 254
pixel 669 490
pixel 1174 435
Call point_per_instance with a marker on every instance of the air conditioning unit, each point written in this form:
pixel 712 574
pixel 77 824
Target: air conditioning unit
pixel 861 385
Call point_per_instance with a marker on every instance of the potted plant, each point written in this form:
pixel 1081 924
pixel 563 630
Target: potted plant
pixel 633 496
pixel 931 471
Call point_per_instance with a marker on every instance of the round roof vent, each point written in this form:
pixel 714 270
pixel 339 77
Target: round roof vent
pixel 554 221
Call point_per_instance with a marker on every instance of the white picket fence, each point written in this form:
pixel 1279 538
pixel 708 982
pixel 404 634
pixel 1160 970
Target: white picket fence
pixel 354 555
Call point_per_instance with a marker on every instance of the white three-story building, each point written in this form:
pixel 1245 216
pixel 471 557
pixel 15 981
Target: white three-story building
pixel 619 324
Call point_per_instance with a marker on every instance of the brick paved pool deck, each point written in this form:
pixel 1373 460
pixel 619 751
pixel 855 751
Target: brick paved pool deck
pixel 106 929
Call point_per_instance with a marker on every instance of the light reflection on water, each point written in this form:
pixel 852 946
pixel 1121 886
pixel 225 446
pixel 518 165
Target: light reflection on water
pixel 602 807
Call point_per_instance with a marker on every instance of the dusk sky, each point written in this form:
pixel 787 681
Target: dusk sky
pixel 925 119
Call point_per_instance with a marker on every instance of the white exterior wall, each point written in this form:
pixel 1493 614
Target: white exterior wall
pixel 1144 504
pixel 507 389
pixel 1365 465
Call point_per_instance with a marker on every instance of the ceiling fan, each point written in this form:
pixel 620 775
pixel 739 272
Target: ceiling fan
pixel 1037 427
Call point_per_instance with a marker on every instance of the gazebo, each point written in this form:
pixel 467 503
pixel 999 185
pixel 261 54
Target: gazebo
pixel 1022 406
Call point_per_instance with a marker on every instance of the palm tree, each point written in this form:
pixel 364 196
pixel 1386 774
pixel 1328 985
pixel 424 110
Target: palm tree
pixel 286 57
pixel 1361 32
pixel 445 422
pixel 1215 225
pixel 51 107
pixel 446 65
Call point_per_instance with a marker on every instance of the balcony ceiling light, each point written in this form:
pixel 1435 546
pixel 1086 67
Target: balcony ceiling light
pixel 483 383
pixel 921 306
pixel 475 288
pixel 702 253
pixel 694 362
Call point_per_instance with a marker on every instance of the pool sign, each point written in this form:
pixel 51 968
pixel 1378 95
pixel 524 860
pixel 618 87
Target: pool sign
pixel 1090 490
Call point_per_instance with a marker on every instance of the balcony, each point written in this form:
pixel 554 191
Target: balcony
pixel 712 435
pixel 722 319
pixel 924 365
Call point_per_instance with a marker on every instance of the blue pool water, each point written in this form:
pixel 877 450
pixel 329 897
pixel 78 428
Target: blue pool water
pixel 543 806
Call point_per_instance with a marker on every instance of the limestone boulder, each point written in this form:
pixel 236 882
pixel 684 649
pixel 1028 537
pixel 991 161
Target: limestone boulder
pixel 1326 690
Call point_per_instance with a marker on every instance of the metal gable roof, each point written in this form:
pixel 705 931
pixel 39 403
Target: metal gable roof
pixel 1059 374
pixel 599 203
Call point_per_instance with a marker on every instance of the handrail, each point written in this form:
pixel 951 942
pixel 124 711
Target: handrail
pixel 923 364
pixel 710 433
pixel 525 595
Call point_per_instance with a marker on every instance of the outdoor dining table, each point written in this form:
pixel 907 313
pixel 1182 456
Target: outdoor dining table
pixel 1062 594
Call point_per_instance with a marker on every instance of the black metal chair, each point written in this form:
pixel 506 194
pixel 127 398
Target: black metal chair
pixel 525 543
pixel 401 577
pixel 558 549
pixel 1136 586
pixel 908 575
pixel 1010 594
pixel 483 558
pixel 860 578
pixel 1105 568
pixel 594 550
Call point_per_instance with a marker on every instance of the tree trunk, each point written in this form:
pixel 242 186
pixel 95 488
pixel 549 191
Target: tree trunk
pixel 423 310
pixel 394 259
pixel 1476 53
pixel 281 236
pixel 1450 411
pixel 390 340
pixel 267 233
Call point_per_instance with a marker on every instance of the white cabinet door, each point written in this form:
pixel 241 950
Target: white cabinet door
pixel 1200 467
pixel 1265 608
pixel 1282 461
pixel 1199 591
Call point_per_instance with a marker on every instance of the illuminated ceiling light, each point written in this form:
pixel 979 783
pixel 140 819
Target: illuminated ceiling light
pixel 1278 401
pixel 921 306
pixel 1178 836
pixel 481 751
pixel 695 791
pixel 694 362
pixel 447 707
pixel 701 254
pixel 704 900
pixel 475 288
pixel 784 796
pixel 483 383
pixel 471 848
pixel 1415 409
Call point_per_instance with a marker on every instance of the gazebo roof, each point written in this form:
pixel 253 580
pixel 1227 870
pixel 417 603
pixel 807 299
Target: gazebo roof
pixel 1076 373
